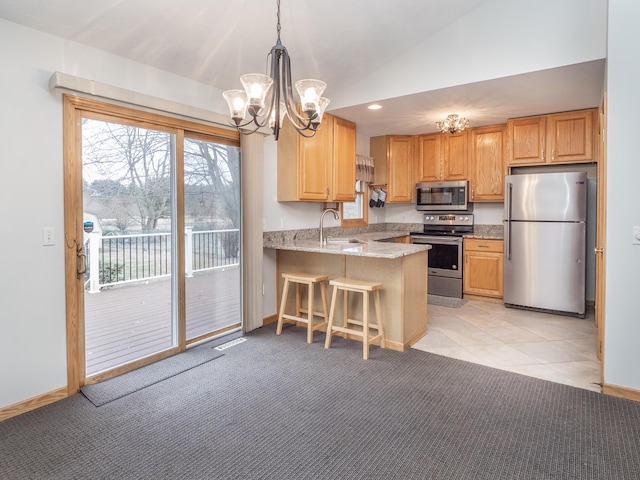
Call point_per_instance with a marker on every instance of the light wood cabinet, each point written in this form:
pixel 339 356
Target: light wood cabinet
pixel 483 267
pixel 558 138
pixel 442 157
pixel 429 157
pixel 570 137
pixel 455 156
pixel 486 164
pixel 321 168
pixel 394 166
pixel 344 161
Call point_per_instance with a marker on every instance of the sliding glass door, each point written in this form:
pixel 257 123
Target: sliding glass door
pixel 152 228
pixel 129 231
pixel 212 236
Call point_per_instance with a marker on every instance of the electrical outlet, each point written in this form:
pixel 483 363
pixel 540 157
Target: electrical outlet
pixel 636 236
pixel 48 236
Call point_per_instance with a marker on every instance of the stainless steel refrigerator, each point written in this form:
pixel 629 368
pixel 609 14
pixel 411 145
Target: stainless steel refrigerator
pixel 545 237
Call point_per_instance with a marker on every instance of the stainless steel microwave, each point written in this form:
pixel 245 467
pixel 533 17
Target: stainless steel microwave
pixel 443 196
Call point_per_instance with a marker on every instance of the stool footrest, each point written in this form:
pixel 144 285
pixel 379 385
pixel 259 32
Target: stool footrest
pixel 361 323
pixel 358 333
pixel 298 319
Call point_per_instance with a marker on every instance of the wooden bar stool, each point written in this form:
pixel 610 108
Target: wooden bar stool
pixel 357 286
pixel 310 281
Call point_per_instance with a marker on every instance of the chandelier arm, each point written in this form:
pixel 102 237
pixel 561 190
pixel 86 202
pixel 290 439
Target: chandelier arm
pixel 275 89
pixel 299 122
pixel 286 88
pixel 241 127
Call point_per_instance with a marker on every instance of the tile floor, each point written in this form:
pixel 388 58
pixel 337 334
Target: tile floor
pixel 558 348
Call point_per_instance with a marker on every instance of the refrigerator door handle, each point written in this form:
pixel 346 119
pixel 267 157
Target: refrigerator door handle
pixel 508 230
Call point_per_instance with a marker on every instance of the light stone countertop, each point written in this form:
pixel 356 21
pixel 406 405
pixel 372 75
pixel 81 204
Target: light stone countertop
pixel 367 246
pixel 487 232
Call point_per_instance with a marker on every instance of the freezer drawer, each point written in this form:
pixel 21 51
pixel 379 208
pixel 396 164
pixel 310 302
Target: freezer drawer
pixel 544 266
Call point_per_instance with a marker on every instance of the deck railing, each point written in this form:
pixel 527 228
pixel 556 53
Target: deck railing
pixel 121 259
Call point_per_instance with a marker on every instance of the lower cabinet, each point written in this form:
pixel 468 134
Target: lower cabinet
pixel 483 267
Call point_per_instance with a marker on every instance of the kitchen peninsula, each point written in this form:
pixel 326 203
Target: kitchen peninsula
pixel 400 267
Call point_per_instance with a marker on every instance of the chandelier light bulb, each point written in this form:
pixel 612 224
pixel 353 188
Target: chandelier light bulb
pixel 237 102
pixel 322 106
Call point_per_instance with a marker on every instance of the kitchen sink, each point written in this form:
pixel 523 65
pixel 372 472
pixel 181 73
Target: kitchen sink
pixel 343 240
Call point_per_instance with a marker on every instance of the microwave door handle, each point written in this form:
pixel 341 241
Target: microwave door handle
pixel 508 229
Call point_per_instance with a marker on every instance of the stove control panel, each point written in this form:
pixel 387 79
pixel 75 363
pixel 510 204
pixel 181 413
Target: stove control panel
pixel 448 219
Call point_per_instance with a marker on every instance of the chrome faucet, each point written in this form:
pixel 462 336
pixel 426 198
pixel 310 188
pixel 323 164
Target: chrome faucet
pixel 323 241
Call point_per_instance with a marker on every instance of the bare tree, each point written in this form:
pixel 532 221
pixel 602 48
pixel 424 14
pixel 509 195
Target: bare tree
pixel 134 157
pixel 215 168
pixel 135 164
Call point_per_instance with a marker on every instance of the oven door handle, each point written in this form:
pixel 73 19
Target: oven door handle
pixel 437 240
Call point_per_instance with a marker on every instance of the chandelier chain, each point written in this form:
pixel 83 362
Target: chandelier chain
pixel 278 25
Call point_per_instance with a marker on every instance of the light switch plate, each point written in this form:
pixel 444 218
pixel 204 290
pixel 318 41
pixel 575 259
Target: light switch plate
pixel 48 236
pixel 636 236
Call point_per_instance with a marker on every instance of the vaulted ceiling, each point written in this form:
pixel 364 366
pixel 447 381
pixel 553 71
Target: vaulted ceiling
pixel 339 41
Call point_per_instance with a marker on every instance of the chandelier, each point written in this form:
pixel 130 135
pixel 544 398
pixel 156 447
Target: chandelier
pixel 453 124
pixel 268 98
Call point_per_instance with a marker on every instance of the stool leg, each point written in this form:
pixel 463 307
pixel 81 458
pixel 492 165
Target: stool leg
pixel 310 295
pixel 345 310
pixel 379 318
pixel 323 293
pixel 365 325
pixel 283 303
pixel 327 342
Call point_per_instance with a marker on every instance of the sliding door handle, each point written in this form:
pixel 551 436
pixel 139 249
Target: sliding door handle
pixel 81 260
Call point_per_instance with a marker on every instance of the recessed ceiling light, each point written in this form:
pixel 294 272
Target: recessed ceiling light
pixel 374 107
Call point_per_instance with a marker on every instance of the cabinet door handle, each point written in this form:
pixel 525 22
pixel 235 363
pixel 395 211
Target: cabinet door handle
pixel 543 154
pixel 483 246
pixel 553 155
pixel 472 194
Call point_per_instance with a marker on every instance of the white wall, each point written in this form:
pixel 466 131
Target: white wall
pixel 32 299
pixel 498 39
pixel 622 320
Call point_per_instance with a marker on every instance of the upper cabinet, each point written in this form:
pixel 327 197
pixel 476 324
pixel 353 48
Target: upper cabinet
pixel 570 137
pixel 321 168
pixel 429 157
pixel 344 161
pixel 455 155
pixel 442 156
pixel 394 166
pixel 487 163
pixel 551 139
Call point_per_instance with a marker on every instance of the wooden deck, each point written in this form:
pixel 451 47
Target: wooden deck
pixel 130 322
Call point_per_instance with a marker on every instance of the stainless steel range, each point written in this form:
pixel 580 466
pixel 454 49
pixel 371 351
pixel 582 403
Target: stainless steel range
pixel 444 233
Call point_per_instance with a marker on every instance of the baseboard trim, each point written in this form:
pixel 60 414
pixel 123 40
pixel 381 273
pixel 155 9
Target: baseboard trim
pixel 482 298
pixel 622 392
pixel 33 403
pixel 270 319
